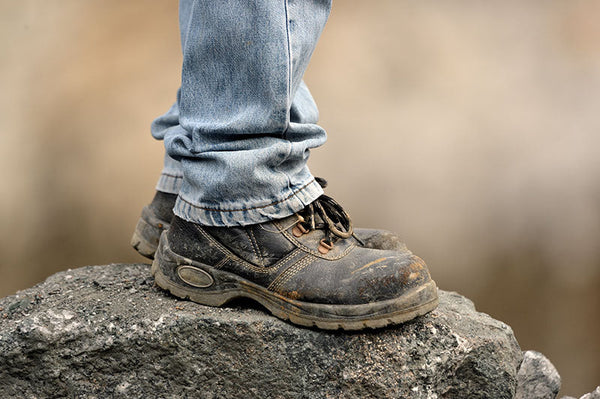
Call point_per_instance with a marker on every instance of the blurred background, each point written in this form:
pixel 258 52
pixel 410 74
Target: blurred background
pixel 469 127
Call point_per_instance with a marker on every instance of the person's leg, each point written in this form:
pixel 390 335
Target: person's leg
pixel 303 110
pixel 244 171
pixel 156 216
pixel 243 159
pixel 304 21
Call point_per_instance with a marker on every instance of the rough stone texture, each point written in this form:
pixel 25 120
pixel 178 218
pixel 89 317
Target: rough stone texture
pixel 106 331
pixel 537 378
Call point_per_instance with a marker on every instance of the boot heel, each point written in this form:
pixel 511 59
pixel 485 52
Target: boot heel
pixel 140 242
pixel 191 280
pixel 147 233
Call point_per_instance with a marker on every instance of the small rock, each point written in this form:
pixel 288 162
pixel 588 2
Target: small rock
pixel 537 378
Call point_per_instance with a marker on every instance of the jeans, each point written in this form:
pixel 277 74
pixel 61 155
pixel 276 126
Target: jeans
pixel 239 135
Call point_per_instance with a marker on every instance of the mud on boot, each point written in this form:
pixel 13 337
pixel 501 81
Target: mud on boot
pixel 308 268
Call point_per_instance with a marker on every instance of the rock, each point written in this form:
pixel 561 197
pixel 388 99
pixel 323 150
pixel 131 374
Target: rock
pixel 107 331
pixel 537 378
pixel 592 395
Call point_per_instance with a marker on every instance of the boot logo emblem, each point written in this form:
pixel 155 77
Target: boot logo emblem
pixel 195 277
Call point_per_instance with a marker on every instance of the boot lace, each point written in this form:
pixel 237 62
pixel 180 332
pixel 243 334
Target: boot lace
pixel 326 214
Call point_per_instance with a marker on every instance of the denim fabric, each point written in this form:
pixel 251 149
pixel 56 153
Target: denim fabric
pixel 171 177
pixel 303 110
pixel 237 144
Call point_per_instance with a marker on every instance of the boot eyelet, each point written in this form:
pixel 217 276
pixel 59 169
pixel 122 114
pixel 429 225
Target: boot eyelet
pixel 325 246
pixel 299 230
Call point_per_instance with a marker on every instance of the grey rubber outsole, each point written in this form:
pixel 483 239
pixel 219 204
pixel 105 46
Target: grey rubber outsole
pixel 224 287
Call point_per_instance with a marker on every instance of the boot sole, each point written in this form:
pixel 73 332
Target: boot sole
pixel 219 287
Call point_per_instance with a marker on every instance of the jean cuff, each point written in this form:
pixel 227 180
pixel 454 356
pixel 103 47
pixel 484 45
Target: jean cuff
pixel 169 182
pixel 241 214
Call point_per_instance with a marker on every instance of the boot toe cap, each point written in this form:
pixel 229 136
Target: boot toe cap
pixel 360 281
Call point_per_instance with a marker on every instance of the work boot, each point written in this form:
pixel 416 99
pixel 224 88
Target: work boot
pixel 156 217
pixel 308 268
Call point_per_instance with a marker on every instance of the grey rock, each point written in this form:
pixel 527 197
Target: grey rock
pixel 107 331
pixel 592 395
pixel 537 378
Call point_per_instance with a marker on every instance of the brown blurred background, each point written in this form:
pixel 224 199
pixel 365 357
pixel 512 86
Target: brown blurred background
pixel 470 127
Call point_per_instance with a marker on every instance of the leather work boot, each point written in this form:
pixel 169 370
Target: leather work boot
pixel 156 217
pixel 308 268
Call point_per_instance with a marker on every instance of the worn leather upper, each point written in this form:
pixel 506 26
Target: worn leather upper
pixel 270 255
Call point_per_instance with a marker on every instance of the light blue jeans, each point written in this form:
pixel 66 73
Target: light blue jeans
pixel 239 135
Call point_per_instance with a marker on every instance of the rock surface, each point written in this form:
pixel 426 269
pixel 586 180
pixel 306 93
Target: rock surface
pixel 537 378
pixel 106 331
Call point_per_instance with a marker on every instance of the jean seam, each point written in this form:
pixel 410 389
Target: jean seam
pixel 293 194
pixel 173 176
pixel 289 58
